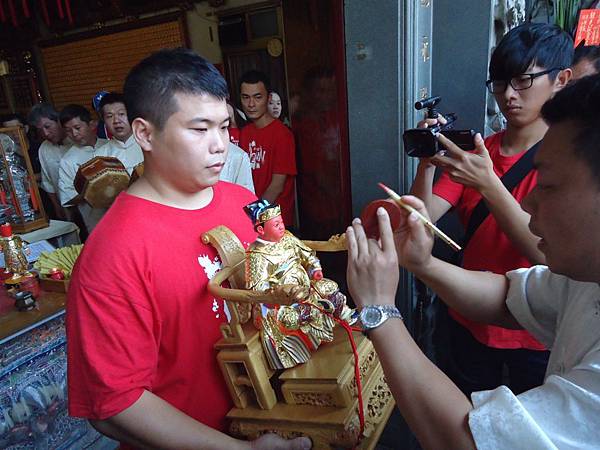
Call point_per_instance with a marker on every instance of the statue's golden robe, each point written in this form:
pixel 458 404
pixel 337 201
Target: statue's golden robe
pixel 290 333
pixel 15 260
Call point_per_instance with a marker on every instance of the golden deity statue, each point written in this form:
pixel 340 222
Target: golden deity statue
pixel 277 258
pixel 13 249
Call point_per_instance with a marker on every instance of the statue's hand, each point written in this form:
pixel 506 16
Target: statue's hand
pixel 287 294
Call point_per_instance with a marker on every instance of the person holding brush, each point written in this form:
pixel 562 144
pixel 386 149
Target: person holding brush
pixel 559 303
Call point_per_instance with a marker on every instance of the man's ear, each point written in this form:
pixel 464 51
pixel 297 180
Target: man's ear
pixel 260 229
pixel 93 123
pixel 562 79
pixel 143 131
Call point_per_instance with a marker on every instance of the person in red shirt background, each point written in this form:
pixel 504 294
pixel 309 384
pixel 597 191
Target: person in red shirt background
pixel 270 145
pixel 529 65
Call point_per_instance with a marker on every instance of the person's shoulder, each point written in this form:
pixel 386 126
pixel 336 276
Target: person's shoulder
pixel 234 192
pixel 236 151
pixel 280 127
pixel 128 218
pixel 69 156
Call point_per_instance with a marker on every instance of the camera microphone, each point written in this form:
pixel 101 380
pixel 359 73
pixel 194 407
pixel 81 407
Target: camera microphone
pixel 428 102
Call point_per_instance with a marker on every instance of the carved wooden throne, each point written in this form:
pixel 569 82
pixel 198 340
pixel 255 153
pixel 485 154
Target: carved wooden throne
pixel 317 399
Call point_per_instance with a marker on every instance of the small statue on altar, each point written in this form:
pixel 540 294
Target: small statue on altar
pixel 13 248
pixel 277 258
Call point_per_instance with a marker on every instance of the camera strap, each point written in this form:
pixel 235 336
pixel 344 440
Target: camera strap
pixel 510 180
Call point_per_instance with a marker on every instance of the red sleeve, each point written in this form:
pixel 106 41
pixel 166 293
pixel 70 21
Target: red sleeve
pixel 448 189
pixel 284 161
pixel 112 351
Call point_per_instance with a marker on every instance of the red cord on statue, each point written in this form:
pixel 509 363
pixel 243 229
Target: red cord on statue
pixel 349 330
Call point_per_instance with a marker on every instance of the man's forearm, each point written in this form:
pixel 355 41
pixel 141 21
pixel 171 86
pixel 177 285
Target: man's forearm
pixel 423 184
pixel 153 423
pixel 434 408
pixel 275 187
pixel 479 296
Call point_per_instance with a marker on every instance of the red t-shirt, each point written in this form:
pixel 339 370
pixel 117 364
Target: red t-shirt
pixel 489 248
pixel 272 151
pixel 234 135
pixel 139 315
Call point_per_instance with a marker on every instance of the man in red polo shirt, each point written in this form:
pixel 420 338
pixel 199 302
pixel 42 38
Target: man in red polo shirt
pixel 270 145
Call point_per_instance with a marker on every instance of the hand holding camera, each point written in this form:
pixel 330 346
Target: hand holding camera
pixel 422 142
pixel 472 169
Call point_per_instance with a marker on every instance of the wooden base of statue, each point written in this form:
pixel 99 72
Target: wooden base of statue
pixel 318 399
pixel 36 224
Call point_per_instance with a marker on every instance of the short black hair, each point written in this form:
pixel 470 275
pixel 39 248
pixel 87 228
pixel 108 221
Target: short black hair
pixel 109 99
pixel 150 87
pixel 590 53
pixel 253 77
pixel 580 103
pixel 542 44
pixel 73 111
pixel 40 111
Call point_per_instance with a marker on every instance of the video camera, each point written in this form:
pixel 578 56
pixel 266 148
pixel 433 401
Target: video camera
pixel 423 143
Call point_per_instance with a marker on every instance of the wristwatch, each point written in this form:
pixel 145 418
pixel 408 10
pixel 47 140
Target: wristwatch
pixel 373 316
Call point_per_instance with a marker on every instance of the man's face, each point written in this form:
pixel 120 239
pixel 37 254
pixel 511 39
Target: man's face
pixel 565 207
pixel 190 151
pixel 80 132
pixel 272 230
pixel 115 118
pixel 521 108
pixel 255 100
pixel 50 130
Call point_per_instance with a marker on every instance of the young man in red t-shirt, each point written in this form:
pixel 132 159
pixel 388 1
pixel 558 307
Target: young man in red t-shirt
pixel 527 67
pixel 270 145
pixel 141 324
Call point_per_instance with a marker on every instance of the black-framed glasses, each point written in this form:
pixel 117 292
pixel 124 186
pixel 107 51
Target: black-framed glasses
pixel 518 83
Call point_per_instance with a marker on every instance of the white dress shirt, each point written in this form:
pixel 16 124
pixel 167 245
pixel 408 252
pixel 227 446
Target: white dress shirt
pixel 50 156
pixel 564 412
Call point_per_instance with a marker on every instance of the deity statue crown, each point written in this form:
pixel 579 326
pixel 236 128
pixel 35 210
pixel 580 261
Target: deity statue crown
pixel 262 211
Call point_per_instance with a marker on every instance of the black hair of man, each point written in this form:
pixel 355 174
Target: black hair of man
pixel 589 53
pixel 41 111
pixel 253 77
pixel 151 86
pixel 109 99
pixel 541 44
pixel 73 111
pixel 579 103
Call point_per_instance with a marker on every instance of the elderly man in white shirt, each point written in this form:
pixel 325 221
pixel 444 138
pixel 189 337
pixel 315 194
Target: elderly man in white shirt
pixel 45 119
pixel 558 303
pixel 81 129
pixel 122 144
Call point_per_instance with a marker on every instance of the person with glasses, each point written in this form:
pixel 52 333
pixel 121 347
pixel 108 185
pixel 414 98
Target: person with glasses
pixel 529 65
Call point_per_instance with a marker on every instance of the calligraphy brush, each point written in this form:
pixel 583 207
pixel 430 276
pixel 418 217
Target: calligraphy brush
pixel 421 217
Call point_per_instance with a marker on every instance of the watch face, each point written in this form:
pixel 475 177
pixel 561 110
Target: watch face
pixel 371 317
